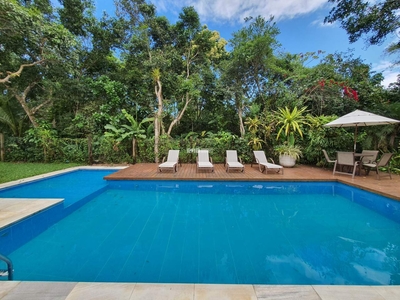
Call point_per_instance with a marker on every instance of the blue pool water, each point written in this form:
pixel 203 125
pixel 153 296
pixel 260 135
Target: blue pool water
pixel 72 186
pixel 219 232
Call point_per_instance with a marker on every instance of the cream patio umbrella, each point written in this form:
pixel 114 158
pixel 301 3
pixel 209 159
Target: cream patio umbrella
pixel 359 118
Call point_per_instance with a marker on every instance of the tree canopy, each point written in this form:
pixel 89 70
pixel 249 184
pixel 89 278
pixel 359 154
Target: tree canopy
pixel 373 21
pixel 65 74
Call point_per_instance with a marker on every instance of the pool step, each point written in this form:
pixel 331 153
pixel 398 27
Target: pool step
pixel 10 271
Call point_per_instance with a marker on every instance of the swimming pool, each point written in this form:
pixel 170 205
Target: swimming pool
pixel 218 232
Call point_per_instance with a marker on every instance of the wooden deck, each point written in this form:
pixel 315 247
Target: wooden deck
pixel 149 171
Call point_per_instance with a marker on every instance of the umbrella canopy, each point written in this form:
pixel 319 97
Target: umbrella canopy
pixel 360 118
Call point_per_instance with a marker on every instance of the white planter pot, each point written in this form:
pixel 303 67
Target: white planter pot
pixel 287 161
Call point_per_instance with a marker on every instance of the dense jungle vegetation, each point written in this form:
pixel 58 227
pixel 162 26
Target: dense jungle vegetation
pixel 126 88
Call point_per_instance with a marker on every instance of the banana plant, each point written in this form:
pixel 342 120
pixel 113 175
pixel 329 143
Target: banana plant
pixel 134 130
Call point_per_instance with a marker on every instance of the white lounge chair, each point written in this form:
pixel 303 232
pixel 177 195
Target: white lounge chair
pixel 264 165
pixel 232 161
pixel 204 161
pixel 171 163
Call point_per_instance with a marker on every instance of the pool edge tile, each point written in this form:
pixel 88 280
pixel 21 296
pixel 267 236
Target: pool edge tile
pixel 224 291
pixel 40 290
pixel 19 210
pixel 353 292
pixel 150 291
pixel 388 292
pixel 6 287
pixel 286 292
pixel 98 290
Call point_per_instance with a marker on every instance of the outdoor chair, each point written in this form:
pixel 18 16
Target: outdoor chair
pixel 345 159
pixel 204 161
pixel 264 165
pixel 232 161
pixel 328 159
pixel 367 157
pixel 171 163
pixel 383 162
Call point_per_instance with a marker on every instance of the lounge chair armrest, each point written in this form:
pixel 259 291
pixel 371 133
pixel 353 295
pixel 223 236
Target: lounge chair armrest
pixel 240 160
pixel 271 160
pixel 211 160
pixel 163 159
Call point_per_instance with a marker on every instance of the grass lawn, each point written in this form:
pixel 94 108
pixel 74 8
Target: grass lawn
pixel 14 171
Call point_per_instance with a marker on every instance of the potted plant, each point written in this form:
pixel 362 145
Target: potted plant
pixel 288 154
pixel 291 122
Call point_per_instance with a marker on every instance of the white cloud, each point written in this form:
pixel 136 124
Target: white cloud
pixel 388 71
pixel 320 23
pixel 237 10
pixel 390 77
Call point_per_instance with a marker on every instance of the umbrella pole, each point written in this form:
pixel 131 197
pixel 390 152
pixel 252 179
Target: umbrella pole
pixel 355 140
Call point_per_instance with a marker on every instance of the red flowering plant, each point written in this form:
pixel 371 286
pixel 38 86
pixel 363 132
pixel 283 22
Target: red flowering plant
pixel 323 96
pixel 347 91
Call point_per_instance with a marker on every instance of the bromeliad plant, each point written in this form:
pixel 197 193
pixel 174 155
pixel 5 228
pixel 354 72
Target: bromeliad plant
pixel 290 122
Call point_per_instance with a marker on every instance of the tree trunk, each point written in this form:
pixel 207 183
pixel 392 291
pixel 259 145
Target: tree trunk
pixel 134 150
pixel 241 125
pixel 157 118
pixel 22 100
pixel 240 109
pixel 1 146
pixel 180 115
pixel 30 112
pixel 90 149
pixel 18 73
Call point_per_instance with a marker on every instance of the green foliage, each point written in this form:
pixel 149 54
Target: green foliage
pixel 290 122
pixel 108 150
pixel 73 15
pixel 359 18
pixel 43 136
pixel 255 143
pixel 318 137
pixel 289 149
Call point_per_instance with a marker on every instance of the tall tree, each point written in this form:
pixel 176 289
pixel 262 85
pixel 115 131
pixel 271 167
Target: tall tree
pixel 374 20
pixel 30 42
pixel 199 49
pixel 252 58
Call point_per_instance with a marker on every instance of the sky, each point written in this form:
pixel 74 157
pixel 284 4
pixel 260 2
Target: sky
pixel 300 23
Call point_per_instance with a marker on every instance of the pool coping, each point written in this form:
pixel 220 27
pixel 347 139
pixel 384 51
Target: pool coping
pixel 94 290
